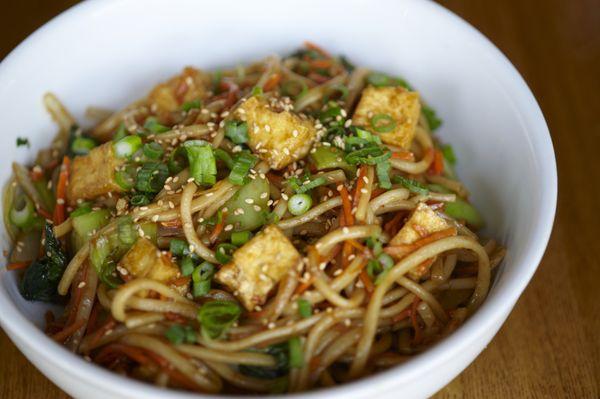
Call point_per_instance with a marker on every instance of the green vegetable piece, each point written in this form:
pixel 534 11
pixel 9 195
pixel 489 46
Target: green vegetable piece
pixel 236 131
pixel 224 252
pixel 153 126
pixel 41 278
pixel 299 204
pixel 252 200
pixel 151 177
pixel 296 355
pixel 411 185
pixel 189 105
pixel 304 308
pixel 432 119
pixel 179 247
pixel 85 225
pixel 202 278
pixel 241 167
pixel 216 317
pixel 22 141
pixel 462 210
pixel 153 150
pixel 187 266
pixel 331 158
pixel 282 364
pixel 239 238
pixel 127 146
pixel 203 165
pixel 82 145
pixel 382 123
pixel 22 213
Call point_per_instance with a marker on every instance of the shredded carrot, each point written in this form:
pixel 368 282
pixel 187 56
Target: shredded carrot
pixel 401 250
pixel 93 317
pixel 403 155
pixel 184 280
pixel 415 323
pixel 347 206
pixel 318 49
pixel 347 250
pixel 402 315
pixel 214 236
pixel 437 166
pixel 110 323
pixel 68 331
pixel 61 191
pixel 321 64
pixel 357 245
pixel 304 286
pixel 175 317
pixel 366 280
pixel 360 183
pixel 318 77
pixel 17 265
pixel 272 82
pixel 376 192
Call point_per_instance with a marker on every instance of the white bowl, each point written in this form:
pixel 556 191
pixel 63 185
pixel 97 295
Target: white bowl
pixel 107 53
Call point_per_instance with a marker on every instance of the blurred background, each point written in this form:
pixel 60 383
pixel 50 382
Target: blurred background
pixel 550 345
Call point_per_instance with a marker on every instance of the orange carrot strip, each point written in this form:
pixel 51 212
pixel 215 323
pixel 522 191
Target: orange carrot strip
pixel 61 192
pixel 437 166
pixel 392 226
pixel 360 183
pixel 366 280
pixel 403 155
pixel 304 286
pixel 44 214
pixel 272 82
pixel 321 64
pixel 357 245
pixel 184 280
pixel 318 49
pixel 68 331
pixel 399 251
pixel 17 265
pixel 347 206
pixel 218 228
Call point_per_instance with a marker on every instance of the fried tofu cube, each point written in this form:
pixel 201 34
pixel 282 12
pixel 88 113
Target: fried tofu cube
pixel 421 223
pixel 93 175
pixel 168 96
pixel 278 138
pixel 144 259
pixel 258 266
pixel 401 105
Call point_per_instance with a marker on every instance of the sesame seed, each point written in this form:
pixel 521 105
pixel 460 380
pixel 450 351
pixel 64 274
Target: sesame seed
pixel 249 201
pixel 256 208
pixel 284 196
pixel 345 230
pixel 264 195
pixel 228 227
pixel 364 190
pixel 81 284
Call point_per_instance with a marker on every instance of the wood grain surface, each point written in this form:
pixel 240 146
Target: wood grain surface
pixel 550 345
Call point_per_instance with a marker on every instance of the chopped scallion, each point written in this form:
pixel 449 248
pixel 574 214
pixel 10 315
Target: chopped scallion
pixel 216 317
pixel 382 123
pixel 127 146
pixel 304 308
pixel 203 165
pixel 299 204
pixel 236 131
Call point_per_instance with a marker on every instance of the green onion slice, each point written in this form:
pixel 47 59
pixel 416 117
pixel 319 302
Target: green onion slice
pixel 239 238
pixel 299 204
pixel 216 317
pixel 153 126
pixel 153 150
pixel 296 354
pixel 304 308
pixel 383 123
pixel 236 131
pixel 151 177
pixel 127 146
pixel 82 145
pixel 203 165
pixel 241 167
pixel 224 252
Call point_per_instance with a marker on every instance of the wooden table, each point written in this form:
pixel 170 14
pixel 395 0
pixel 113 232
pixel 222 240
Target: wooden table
pixel 550 345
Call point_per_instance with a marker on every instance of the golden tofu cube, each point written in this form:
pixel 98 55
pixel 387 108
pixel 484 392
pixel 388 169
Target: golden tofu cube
pixel 278 138
pixel 168 96
pixel 93 175
pixel 421 223
pixel 144 259
pixel 401 105
pixel 258 266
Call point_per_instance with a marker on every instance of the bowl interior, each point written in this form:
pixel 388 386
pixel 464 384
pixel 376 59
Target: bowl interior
pixel 109 53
